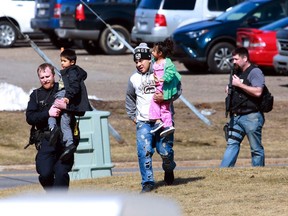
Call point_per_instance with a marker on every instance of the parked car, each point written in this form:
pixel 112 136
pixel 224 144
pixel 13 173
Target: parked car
pixel 280 60
pixel 210 43
pixel 46 19
pixel 155 20
pixel 16 15
pixel 78 22
pixel 261 43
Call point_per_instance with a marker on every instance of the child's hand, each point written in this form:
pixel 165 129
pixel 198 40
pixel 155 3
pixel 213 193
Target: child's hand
pixel 155 78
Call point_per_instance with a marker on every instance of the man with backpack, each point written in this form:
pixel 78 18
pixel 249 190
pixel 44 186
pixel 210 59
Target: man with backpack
pixel 244 107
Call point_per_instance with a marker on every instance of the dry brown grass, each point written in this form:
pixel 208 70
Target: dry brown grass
pixel 239 191
pixel 194 140
pixel 209 191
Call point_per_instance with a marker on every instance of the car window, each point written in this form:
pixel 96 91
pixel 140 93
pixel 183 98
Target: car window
pixel 150 4
pixel 179 5
pixel 238 11
pixel 124 1
pixel 270 13
pixel 220 5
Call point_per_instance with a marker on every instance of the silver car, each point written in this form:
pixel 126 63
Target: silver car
pixel 155 20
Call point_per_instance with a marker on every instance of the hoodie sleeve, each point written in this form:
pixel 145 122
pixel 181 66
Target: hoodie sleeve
pixel 131 101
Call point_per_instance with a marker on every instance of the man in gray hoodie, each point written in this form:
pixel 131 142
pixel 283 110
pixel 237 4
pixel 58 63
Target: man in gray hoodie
pixel 140 92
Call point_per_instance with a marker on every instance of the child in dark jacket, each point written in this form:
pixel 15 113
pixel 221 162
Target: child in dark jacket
pixel 73 91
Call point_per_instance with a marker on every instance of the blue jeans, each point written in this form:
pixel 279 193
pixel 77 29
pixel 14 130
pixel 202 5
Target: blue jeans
pixel 146 142
pixel 239 126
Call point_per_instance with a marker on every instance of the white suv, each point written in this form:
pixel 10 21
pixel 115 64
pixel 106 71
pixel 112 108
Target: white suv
pixel 20 13
pixel 155 20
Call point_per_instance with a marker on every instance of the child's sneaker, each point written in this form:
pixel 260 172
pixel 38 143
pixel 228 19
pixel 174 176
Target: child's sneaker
pixel 157 127
pixel 167 131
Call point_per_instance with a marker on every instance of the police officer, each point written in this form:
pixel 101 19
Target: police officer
pixel 53 173
pixel 245 117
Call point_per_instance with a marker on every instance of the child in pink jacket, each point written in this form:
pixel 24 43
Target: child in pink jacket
pixel 166 80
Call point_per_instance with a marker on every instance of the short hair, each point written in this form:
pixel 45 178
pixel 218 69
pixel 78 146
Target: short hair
pixel 69 54
pixel 44 66
pixel 242 52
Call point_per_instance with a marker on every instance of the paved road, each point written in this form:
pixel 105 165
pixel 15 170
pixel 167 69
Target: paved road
pixel 108 75
pixel 13 176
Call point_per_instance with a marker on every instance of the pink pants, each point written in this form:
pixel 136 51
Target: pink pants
pixel 161 111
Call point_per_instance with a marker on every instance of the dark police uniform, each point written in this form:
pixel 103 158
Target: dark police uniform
pixel 53 173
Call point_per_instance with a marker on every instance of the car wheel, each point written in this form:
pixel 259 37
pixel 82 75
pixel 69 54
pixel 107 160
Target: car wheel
pixel 92 47
pixel 8 34
pixel 220 58
pixel 110 43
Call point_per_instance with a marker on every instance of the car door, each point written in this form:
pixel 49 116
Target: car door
pixel 22 11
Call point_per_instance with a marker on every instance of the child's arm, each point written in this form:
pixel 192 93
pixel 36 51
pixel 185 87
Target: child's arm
pixel 170 71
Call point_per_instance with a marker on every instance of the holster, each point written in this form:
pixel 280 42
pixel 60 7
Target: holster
pixel 226 131
pixel 36 137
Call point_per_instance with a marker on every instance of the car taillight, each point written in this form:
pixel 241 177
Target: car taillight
pixel 80 14
pixel 257 42
pixel 57 10
pixel 160 20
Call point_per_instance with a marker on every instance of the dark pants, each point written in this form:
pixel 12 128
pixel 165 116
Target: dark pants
pixel 53 173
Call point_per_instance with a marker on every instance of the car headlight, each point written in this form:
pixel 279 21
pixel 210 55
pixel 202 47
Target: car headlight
pixel 278 46
pixel 195 34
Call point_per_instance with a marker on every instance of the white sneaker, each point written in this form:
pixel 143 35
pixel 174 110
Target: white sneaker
pixel 167 131
pixel 157 127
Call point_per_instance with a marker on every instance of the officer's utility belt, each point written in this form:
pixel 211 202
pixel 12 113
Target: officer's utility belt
pixel 36 136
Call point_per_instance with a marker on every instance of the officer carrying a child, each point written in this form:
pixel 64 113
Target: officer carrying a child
pixel 53 173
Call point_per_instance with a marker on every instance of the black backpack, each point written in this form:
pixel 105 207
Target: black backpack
pixel 267 101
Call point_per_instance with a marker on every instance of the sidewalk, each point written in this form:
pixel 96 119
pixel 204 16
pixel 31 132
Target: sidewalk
pixel 193 164
pixel 19 175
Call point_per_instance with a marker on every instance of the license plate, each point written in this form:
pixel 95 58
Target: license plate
pixel 142 26
pixel 41 12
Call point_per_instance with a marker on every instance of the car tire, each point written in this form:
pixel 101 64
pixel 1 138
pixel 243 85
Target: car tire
pixel 8 34
pixel 92 47
pixel 110 44
pixel 220 58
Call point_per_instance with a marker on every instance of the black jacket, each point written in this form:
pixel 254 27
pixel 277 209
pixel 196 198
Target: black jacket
pixel 73 78
pixel 38 106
